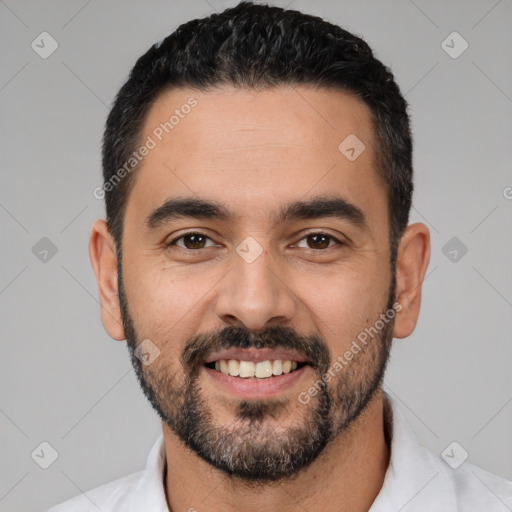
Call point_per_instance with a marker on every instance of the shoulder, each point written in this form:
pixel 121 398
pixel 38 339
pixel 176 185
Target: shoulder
pixel 109 497
pixel 478 489
pixel 474 488
pixel 420 479
pixel 143 490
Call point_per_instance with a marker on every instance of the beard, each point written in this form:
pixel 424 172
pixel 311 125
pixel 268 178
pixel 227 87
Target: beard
pixel 255 449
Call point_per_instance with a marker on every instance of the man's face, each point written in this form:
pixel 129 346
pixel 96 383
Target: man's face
pixel 254 285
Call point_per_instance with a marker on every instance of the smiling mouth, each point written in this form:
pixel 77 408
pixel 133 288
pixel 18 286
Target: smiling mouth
pixel 255 370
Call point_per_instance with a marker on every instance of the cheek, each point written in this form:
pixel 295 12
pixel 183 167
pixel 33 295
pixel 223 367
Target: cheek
pixel 344 304
pixel 165 305
pixel 152 298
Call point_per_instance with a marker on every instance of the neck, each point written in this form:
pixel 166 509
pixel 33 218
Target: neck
pixel 347 476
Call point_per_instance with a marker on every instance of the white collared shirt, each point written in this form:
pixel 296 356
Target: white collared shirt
pixel 416 480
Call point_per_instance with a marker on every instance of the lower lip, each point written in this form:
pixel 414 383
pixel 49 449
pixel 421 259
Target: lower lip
pixel 256 388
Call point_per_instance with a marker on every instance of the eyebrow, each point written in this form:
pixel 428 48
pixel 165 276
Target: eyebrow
pixel 201 209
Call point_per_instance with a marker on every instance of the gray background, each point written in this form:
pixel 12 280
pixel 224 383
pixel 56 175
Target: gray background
pixel 64 381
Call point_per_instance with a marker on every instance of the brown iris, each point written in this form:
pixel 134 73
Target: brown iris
pixel 197 241
pixel 320 241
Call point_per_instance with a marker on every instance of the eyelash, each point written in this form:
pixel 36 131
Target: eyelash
pixel 173 242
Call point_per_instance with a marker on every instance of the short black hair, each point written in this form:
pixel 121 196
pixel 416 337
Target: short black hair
pixel 261 46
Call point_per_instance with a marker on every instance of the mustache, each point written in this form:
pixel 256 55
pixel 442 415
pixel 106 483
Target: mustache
pixel 311 347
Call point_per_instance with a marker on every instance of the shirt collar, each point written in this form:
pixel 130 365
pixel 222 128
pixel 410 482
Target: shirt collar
pixel 412 473
pixel 413 480
pixel 149 495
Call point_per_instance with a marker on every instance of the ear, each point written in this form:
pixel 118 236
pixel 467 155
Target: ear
pixel 104 263
pixel 412 261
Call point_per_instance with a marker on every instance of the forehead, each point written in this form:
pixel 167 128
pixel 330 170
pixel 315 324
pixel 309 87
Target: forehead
pixel 250 147
pixel 224 118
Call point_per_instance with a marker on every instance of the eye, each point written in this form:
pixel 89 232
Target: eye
pixel 191 241
pixel 196 240
pixel 319 241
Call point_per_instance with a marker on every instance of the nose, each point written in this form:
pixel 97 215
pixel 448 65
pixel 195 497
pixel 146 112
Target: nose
pixel 255 295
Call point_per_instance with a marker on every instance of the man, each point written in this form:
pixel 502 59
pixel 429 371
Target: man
pixel 258 260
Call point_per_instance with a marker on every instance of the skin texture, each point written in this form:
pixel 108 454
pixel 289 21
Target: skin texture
pixel 254 151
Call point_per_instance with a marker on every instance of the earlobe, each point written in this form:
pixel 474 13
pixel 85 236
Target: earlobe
pixel 412 261
pixel 103 258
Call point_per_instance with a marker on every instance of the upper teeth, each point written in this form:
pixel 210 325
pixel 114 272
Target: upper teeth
pixel 248 369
